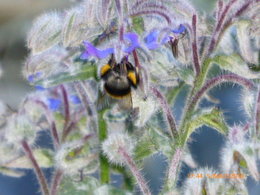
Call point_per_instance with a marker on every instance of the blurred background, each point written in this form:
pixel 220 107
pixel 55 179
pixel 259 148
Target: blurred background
pixel 16 18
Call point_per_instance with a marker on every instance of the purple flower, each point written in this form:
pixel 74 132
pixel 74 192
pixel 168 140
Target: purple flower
pixel 39 88
pixel 54 104
pixel 75 99
pixel 32 77
pixel 133 39
pixel 151 40
pixel 91 50
pixel 181 29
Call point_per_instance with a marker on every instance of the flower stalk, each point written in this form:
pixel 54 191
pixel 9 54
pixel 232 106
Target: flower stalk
pixel 174 168
pixel 104 164
pixel 257 117
pixel 138 176
pixel 167 111
pixel 38 171
pixel 58 175
pixel 195 55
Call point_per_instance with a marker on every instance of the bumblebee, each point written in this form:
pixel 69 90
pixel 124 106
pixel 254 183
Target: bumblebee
pixel 119 78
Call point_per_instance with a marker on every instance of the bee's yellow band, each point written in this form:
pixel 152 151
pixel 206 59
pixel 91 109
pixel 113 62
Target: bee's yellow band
pixel 105 69
pixel 132 76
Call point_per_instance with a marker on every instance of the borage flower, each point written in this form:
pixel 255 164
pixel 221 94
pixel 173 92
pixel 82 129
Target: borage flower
pixel 152 40
pixel 131 42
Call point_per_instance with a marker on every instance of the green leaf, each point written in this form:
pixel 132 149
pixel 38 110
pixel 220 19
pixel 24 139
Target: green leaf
pixel 173 93
pixel 73 186
pixel 104 164
pixel 11 172
pixel 235 64
pixel 110 190
pixel 152 141
pixel 44 158
pixel 212 118
pixel 138 24
pixel 85 71
pixel 186 74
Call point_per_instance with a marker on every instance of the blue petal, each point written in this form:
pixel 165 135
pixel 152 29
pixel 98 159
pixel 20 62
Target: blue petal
pixel 84 55
pixel 75 99
pixel 38 74
pixel 133 39
pixel 151 37
pixel 31 78
pixel 54 104
pixel 91 50
pixel 166 39
pixel 39 88
pixel 179 30
pixel 151 40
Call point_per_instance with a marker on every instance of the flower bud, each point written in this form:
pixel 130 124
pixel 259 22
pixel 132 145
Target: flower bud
pixel 45 64
pixel 19 128
pixel 112 145
pixel 73 156
pixel 236 134
pixel 45 32
pixel 145 107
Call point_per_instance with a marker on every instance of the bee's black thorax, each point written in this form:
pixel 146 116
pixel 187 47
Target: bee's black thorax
pixel 119 78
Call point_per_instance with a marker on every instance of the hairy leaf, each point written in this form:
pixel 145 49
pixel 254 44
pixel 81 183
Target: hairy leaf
pixel 138 25
pixel 11 172
pixel 235 64
pixel 75 186
pixel 44 158
pixel 83 73
pixel 152 141
pixel 212 118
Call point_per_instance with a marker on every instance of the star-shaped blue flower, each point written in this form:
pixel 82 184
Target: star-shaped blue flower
pixel 91 50
pixel 54 104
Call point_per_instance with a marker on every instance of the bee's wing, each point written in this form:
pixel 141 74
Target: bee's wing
pixel 104 101
pixel 126 102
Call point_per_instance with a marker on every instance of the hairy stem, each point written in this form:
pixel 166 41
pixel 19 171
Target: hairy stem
pixel 218 27
pixel 216 81
pixel 51 121
pixel 145 12
pixel 195 55
pixel 40 175
pixel 138 176
pixel 67 130
pixel 55 135
pixel 257 117
pixel 174 167
pixel 104 164
pixel 167 110
pixel 219 10
pixel 207 86
pixel 89 106
pixel 56 181
pixel 66 105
